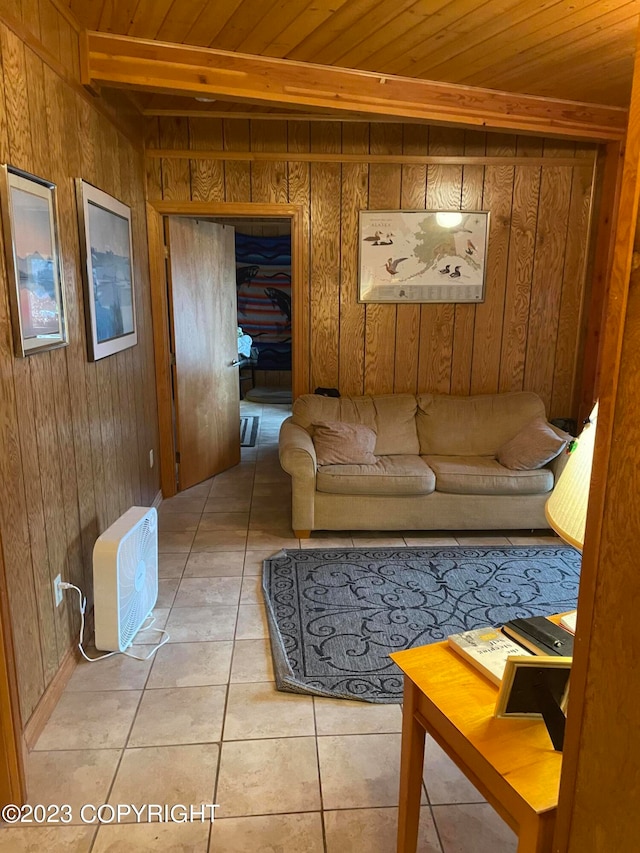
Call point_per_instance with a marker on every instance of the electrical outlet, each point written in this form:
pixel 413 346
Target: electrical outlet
pixel 57 589
pixel 151 459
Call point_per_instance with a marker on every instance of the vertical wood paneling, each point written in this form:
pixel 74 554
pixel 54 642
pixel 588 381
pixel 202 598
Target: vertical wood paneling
pixel 448 348
pixel 269 179
pixel 70 438
pixel 475 145
pixel 355 181
pixel 573 291
pixel 444 192
pixel 176 179
pixel 237 175
pixel 413 197
pixel 153 168
pixel 546 289
pixel 526 190
pixel 207 176
pixel 497 198
pixel 325 258
pixel 299 179
pixel 380 320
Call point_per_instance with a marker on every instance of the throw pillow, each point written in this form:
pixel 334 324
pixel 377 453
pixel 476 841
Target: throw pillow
pixel 535 445
pixel 339 443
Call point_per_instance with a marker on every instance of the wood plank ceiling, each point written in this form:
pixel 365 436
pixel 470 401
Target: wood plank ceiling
pixel 580 50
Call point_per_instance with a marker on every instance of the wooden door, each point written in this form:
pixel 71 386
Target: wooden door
pixel 205 344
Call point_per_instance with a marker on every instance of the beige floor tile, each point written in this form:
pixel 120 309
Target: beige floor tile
pixel 72 778
pixel 199 490
pixel 52 839
pixel 359 771
pixel 171 565
pixel 474 828
pixel 551 541
pixel 341 717
pixel 286 833
pixel 182 504
pixel 91 720
pixel 175 543
pixel 167 591
pixel 333 542
pixel 119 672
pixel 488 540
pixel 179 715
pixel 143 837
pixel 179 522
pixel 261 711
pixel 205 592
pixel 167 774
pixel 251 591
pixel 443 781
pixel 368 541
pixel 253 561
pixel 220 540
pixel 252 661
pixel 152 635
pixel 252 623
pixel 191 664
pixel 426 541
pixel 275 539
pixel 270 519
pixel 272 490
pixel 214 564
pixel 270 777
pixel 227 489
pixel 228 504
pixel 224 521
pixel 201 624
pixel 374 831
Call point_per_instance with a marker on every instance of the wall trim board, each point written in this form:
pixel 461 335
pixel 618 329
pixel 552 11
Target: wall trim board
pixel 50 698
pixel 67 14
pixel 319 157
pixel 126 62
pixel 156 210
pixel 56 66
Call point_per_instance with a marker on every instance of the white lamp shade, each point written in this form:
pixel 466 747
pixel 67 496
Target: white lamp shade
pixel 566 509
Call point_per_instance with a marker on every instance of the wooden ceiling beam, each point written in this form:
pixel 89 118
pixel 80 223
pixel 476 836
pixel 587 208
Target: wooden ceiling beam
pixel 125 62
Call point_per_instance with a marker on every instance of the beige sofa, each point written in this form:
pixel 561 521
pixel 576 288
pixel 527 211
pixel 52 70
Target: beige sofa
pixel 435 469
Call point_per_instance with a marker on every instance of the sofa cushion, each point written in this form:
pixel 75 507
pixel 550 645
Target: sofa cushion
pixel 390 416
pixel 391 475
pixel 473 426
pixel 482 475
pixel 337 443
pixel 535 445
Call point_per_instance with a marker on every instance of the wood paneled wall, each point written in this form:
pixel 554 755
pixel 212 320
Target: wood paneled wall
pixel 74 436
pixel 528 332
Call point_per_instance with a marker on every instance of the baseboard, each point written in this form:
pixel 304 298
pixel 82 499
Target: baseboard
pixel 157 500
pixel 50 698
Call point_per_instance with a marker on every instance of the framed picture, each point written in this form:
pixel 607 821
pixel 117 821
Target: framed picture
pixel 536 686
pixel 422 255
pixel 36 286
pixel 107 255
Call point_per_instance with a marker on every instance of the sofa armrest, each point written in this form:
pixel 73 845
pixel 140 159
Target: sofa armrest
pixel 296 450
pixel 298 458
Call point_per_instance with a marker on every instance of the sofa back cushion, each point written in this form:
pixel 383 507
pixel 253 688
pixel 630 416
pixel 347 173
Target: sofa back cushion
pixel 473 426
pixel 337 443
pixel 392 417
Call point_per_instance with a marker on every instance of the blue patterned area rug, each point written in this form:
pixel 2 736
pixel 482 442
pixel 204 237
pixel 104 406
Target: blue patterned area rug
pixel 335 615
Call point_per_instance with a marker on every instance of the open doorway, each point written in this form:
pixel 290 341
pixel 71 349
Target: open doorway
pixel 264 297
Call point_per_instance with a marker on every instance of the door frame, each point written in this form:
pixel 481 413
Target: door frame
pixel 156 211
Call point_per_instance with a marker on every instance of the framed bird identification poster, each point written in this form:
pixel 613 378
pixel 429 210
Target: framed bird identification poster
pixel 422 255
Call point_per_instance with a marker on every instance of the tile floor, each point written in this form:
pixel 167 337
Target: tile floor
pixel 201 722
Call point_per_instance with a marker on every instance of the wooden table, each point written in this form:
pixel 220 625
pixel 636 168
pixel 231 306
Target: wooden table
pixel 511 762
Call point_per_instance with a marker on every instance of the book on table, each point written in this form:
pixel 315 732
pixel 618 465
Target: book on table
pixel 540 636
pixel 568 621
pixel 487 649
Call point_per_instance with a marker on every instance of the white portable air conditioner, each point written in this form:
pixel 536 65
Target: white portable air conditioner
pixel 125 577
